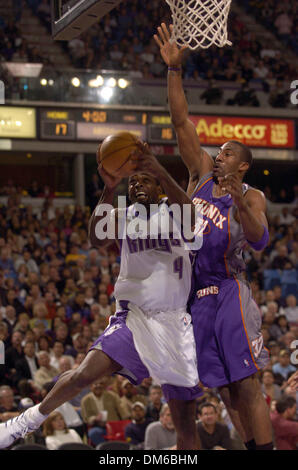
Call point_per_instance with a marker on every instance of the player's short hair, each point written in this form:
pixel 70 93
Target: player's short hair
pixel 206 404
pixel 245 152
pixel 285 403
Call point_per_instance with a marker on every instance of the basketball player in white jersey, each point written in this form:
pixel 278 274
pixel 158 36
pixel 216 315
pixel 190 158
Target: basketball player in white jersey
pixel 151 333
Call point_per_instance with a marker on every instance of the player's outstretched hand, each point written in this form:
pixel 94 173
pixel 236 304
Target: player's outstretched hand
pixel 170 52
pixel 111 181
pixel 293 381
pixel 233 185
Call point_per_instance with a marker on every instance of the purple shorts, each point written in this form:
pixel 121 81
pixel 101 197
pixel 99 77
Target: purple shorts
pixel 227 329
pixel 117 343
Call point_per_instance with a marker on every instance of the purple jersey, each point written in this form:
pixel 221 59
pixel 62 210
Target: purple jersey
pixel 221 255
pixel 226 320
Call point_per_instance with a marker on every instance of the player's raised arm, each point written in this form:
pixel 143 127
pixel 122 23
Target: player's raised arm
pixel 107 197
pixel 195 158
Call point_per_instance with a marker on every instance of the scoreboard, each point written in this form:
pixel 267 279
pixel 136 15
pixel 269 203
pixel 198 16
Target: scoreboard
pixel 93 124
pixel 89 124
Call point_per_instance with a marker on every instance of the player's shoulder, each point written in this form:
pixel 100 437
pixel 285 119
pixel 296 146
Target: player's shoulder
pixel 254 194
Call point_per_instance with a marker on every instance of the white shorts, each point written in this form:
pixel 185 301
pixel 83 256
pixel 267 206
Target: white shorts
pixel 165 344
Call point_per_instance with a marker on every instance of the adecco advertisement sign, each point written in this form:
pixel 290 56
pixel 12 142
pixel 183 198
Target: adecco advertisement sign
pixel 254 132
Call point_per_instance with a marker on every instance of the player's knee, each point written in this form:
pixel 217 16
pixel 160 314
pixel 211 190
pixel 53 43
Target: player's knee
pixel 229 395
pixel 80 378
pixel 249 389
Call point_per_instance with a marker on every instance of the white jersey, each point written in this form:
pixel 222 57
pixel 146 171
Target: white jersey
pixel 155 273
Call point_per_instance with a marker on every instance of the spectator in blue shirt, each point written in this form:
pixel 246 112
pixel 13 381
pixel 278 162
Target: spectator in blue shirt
pixel 283 366
pixel 79 305
pixel 6 263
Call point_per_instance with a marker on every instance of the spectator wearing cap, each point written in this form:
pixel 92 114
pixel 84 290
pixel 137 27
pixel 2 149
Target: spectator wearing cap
pixel 45 373
pixel 283 366
pixel 129 397
pixel 161 435
pixel 270 390
pixel 135 431
pixel 213 434
pixel 284 426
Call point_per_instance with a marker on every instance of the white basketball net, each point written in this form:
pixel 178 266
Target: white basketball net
pixel 200 23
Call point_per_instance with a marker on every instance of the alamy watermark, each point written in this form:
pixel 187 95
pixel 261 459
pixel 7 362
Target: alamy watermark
pixel 2 92
pixel 155 222
pixel 294 94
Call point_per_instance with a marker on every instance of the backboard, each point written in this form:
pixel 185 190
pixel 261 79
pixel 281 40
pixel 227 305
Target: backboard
pixel 71 17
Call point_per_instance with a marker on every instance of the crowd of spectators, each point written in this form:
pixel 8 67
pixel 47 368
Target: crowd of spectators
pixel 56 297
pixel 15 48
pixel 281 16
pixel 123 40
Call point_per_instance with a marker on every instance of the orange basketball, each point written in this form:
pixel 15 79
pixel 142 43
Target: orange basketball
pixel 115 151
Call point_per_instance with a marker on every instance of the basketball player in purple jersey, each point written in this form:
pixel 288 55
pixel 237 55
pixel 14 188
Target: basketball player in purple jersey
pixel 226 320
pixel 151 333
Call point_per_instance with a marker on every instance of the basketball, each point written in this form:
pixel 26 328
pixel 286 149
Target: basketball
pixel 115 151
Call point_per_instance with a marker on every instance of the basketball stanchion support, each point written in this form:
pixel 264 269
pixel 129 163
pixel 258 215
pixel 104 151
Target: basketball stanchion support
pixel 71 18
